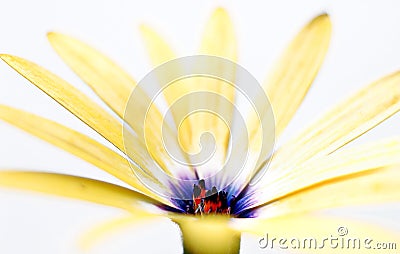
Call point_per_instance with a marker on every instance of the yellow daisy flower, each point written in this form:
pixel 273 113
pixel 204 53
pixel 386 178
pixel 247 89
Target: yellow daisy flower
pixel 309 173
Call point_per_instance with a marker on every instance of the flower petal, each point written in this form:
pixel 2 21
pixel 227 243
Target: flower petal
pixel 296 70
pixel 342 124
pixel 340 164
pixel 78 145
pixel 75 187
pixel 110 82
pixel 190 129
pixel 302 231
pixel 159 50
pixel 82 107
pixel 114 86
pixel 219 39
pixel 219 36
pixel 366 187
pixel 70 98
pixel 107 79
pixel 292 77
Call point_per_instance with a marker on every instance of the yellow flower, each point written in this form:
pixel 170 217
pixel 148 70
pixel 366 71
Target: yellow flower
pixel 310 172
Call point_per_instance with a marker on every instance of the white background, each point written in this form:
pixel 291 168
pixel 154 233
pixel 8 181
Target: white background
pixel 365 46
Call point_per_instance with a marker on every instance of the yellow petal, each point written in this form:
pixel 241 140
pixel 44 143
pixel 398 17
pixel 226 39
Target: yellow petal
pixel 76 144
pixel 75 187
pixel 293 75
pixel 108 80
pixel 81 106
pixel 102 231
pixel 112 84
pixel 219 39
pixel 159 50
pixel 342 124
pixel 296 70
pixel 69 97
pixel 308 229
pixel 373 186
pixel 339 164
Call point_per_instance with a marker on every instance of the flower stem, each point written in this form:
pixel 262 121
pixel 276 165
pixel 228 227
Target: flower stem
pixel 203 236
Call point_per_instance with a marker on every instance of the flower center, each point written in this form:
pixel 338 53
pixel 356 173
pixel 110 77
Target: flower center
pixel 209 201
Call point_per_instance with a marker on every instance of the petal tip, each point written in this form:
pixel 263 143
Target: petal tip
pixel 50 35
pixel 143 27
pixel 5 57
pixel 323 14
pixel 9 59
pixel 321 23
pixel 220 11
pixel 53 37
pixel 322 17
